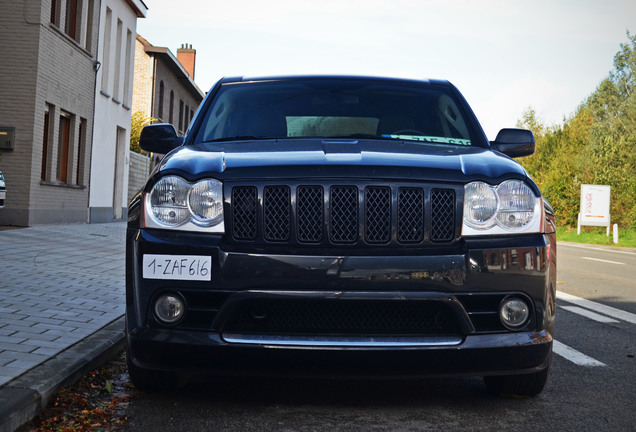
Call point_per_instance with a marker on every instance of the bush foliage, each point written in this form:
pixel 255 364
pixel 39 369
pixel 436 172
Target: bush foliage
pixel 596 145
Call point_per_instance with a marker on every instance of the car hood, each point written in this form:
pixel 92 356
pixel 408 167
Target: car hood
pixel 315 158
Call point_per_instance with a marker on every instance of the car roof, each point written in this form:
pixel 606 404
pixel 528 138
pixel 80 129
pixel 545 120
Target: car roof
pixel 335 77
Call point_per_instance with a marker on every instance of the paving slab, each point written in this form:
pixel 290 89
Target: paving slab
pixel 62 294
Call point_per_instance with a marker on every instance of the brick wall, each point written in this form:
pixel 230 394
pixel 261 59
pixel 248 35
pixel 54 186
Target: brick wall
pixel 142 81
pixel 18 49
pixel 181 93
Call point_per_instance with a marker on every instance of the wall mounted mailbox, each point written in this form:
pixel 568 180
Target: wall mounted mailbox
pixel 6 138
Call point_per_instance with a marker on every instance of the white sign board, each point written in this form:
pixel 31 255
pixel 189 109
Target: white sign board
pixel 595 206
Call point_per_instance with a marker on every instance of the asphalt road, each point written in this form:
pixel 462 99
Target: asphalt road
pixel 592 385
pixel 605 275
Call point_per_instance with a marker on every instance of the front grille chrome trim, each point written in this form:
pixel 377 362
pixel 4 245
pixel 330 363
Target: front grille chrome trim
pixel 342 341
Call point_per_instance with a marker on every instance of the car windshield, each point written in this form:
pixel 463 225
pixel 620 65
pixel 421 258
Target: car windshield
pixel 336 109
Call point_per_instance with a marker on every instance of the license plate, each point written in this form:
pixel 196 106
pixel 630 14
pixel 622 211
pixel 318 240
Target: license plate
pixel 177 267
pixel 3 194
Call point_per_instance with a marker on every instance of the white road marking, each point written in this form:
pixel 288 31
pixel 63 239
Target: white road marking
pixel 580 246
pixel 574 356
pixel 597 307
pixel 588 314
pixel 602 260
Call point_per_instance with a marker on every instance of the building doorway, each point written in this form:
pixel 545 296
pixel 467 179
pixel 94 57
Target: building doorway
pixel 118 185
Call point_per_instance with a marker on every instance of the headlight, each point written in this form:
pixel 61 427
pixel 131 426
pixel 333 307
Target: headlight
pixel 173 203
pixel 516 204
pixel 509 207
pixel 205 201
pixel 480 204
pixel 168 201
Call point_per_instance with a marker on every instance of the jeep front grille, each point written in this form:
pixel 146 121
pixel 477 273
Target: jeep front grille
pixel 342 214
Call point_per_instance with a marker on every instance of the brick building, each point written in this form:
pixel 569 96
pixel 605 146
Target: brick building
pixel 164 87
pixel 48 54
pixel 49 73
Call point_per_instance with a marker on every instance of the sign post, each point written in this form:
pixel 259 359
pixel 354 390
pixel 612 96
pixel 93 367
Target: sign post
pixel 595 207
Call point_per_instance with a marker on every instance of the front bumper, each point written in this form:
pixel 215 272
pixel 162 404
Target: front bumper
pixel 464 279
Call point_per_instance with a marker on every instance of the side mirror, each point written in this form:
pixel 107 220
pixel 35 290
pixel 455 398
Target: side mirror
pixel 514 142
pixel 159 138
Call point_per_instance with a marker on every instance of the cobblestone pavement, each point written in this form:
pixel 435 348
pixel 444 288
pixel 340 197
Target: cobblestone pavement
pixel 58 285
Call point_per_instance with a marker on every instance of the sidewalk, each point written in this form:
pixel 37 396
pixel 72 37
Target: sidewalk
pixel 61 310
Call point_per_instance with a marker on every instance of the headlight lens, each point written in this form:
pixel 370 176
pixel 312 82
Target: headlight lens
pixel 205 202
pixel 506 208
pixel 175 203
pixel 480 204
pixel 168 201
pixel 516 204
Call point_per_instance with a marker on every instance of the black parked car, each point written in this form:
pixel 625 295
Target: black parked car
pixel 340 226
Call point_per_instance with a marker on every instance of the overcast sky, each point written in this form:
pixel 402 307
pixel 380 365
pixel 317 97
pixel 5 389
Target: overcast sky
pixel 504 56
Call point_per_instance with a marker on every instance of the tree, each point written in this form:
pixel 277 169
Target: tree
pixel 137 123
pixel 597 145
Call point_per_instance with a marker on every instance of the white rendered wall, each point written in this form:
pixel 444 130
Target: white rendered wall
pixel 113 101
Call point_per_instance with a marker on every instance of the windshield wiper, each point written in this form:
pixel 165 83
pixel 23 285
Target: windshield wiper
pixel 356 135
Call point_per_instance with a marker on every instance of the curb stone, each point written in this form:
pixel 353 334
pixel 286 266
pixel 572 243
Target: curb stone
pixel 24 397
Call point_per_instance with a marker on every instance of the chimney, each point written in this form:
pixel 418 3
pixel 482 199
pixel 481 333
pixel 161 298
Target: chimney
pixel 187 56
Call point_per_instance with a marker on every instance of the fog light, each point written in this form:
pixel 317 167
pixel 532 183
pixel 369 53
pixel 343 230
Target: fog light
pixel 514 312
pixel 169 308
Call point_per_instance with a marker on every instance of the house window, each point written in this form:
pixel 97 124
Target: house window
pixel 89 26
pixel 160 107
pixel 55 12
pixel 45 144
pixel 127 68
pixel 64 148
pixel 81 148
pixel 187 119
pixel 106 57
pixel 117 70
pixel 73 8
pixel 170 114
pixel 180 115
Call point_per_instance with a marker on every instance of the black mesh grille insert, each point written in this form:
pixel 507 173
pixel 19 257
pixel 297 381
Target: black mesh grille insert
pixel 277 213
pixel 244 204
pixel 343 217
pixel 354 317
pixel 410 215
pixel 443 215
pixel 335 214
pixel 309 207
pixel 377 214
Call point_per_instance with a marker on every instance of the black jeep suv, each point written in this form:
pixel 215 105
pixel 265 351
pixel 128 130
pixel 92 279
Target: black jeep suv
pixel 340 226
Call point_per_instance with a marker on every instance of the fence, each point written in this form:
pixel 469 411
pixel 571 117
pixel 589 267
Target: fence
pixel 139 170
